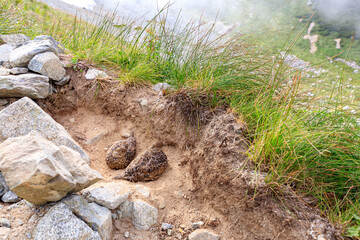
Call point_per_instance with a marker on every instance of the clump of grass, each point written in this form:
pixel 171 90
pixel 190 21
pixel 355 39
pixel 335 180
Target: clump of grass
pixel 315 151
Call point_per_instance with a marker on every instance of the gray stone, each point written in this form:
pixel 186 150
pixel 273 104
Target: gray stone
pixel 97 217
pixel 4 54
pixel 166 226
pixel 39 171
pixel 63 81
pixel 203 234
pixel 28 235
pixel 109 195
pixel 4 72
pixel 14 39
pixel 60 49
pixel 10 197
pixel 197 225
pixel 24 85
pixel 60 223
pixel 125 209
pixel 47 64
pixel 19 70
pixel 5 223
pixel 161 86
pixel 24 116
pixel 144 215
pixel 143 103
pixel 93 73
pixel 3 187
pixel 21 56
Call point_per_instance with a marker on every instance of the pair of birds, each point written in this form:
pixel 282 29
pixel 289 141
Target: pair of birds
pixel 147 166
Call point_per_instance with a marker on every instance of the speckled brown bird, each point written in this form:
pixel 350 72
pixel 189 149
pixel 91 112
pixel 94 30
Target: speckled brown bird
pixel 121 153
pixel 147 166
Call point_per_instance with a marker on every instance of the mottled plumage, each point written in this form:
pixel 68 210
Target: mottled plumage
pixel 146 167
pixel 121 153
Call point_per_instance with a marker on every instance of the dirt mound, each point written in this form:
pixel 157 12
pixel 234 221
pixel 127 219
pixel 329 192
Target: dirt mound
pixel 209 177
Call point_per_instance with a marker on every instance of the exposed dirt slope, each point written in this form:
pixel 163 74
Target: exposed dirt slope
pixel 209 177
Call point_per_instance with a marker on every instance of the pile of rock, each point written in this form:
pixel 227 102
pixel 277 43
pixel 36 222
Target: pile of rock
pixel 27 66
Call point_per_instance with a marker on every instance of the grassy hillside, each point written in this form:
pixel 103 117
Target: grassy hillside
pixel 314 151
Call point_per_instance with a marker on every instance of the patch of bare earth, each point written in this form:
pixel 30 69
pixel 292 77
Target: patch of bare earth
pixel 209 177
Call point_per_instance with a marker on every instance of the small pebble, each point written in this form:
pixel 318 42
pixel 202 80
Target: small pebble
pixel 5 223
pixel 28 235
pixel 126 234
pixel 19 70
pixel 166 226
pixel 20 222
pixel 10 197
pixel 169 232
pixel 197 225
pixel 114 216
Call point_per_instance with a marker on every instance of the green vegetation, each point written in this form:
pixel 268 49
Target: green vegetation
pixel 314 151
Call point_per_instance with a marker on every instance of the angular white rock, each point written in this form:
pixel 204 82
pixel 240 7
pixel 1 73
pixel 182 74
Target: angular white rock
pixel 144 215
pixel 47 64
pixel 21 56
pixel 109 195
pixel 93 73
pixel 39 171
pixel 24 85
pixel 161 86
pixel 24 116
pixel 60 223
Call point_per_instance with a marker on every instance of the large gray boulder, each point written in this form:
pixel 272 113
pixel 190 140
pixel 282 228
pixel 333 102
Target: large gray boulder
pixel 39 171
pixel 24 116
pixel 21 56
pixel 25 85
pixel 97 217
pixel 47 64
pixel 4 54
pixel 60 223
pixel 13 39
pixel 60 49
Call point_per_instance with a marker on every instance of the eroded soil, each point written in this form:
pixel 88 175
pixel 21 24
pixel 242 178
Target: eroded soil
pixel 209 178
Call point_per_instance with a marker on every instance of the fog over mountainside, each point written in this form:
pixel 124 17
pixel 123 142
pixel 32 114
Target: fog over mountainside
pixel 340 16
